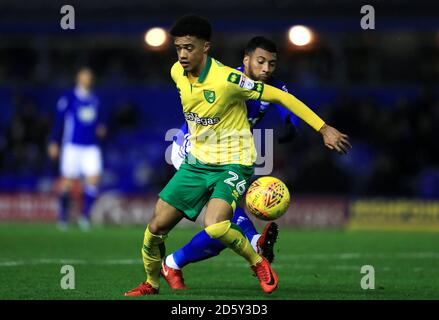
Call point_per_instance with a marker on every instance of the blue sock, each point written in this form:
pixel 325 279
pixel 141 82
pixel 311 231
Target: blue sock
pixel 90 195
pixel 241 219
pixel 201 247
pixel 64 203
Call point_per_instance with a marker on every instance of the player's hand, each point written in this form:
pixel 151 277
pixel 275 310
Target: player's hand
pixel 335 140
pixel 53 151
pixel 101 131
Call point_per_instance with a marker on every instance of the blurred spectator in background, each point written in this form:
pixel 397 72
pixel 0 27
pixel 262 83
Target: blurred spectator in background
pixel 74 139
pixel 364 83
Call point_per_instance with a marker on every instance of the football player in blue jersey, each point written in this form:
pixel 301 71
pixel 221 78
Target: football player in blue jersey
pixel 75 140
pixel 259 63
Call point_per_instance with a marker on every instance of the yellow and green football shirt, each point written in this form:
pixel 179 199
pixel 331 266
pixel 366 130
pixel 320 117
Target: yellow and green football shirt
pixel 216 113
pixel 215 110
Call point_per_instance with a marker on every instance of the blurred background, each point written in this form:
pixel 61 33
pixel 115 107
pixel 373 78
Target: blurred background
pixel 379 86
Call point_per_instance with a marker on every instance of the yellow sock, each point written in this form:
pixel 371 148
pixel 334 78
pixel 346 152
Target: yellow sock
pixel 153 251
pixel 231 236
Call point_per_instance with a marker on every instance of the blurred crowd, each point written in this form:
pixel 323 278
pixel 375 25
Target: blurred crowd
pixel 395 152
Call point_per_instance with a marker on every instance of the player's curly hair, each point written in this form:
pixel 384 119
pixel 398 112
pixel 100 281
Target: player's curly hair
pixel 260 42
pixel 192 25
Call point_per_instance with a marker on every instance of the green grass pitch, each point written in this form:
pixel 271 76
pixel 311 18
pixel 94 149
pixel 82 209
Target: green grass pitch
pixel 310 265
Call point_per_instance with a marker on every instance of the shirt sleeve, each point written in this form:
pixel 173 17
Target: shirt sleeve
pixel 174 71
pixel 277 96
pixel 240 86
pixel 285 113
pixel 61 109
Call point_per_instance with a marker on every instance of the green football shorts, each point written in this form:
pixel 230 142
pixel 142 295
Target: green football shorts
pixel 193 185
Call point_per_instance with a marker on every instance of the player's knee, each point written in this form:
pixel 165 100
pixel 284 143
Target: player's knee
pixel 65 186
pixel 211 220
pixel 93 180
pixel 164 218
pixel 155 227
pixel 217 230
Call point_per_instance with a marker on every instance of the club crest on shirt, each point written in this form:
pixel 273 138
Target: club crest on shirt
pixel 87 114
pixel 209 95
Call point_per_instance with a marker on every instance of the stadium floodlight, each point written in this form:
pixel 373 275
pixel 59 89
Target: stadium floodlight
pixel 156 37
pixel 300 35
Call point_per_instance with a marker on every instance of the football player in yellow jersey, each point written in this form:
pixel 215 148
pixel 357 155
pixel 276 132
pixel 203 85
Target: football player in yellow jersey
pixel 217 171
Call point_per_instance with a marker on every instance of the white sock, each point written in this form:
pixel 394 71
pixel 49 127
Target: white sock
pixel 255 241
pixel 170 262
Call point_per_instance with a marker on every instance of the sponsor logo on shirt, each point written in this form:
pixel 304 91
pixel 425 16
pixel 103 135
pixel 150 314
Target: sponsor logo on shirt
pixel 206 121
pixel 244 82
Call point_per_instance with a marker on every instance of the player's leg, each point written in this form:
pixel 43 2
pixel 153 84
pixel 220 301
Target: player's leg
pixel 201 247
pixel 229 187
pixel 70 171
pixel 64 200
pixel 153 250
pixel 91 168
pixel 165 218
pixel 184 196
pixel 218 226
pixel 90 192
pixel 241 219
pixel 262 243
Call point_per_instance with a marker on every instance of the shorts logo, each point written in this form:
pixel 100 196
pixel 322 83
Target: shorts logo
pixel 209 95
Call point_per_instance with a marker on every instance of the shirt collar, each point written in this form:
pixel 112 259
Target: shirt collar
pixel 205 71
pixel 81 93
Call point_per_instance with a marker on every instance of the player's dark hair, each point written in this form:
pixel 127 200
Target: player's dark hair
pixel 260 42
pixel 192 25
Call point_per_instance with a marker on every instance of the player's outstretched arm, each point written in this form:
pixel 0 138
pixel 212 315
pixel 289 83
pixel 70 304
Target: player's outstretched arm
pixel 332 138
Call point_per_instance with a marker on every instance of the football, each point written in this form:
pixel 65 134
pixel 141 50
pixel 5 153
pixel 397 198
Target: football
pixel 267 198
